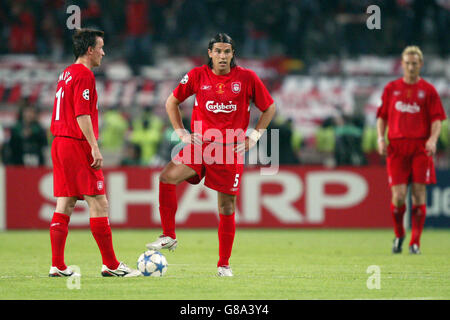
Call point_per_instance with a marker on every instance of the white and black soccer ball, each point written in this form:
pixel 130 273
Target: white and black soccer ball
pixel 152 264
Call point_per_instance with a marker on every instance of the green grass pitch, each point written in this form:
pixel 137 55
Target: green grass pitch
pixel 267 264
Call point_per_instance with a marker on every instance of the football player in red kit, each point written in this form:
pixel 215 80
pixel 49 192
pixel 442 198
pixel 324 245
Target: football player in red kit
pixel 412 112
pixel 76 157
pixel 223 92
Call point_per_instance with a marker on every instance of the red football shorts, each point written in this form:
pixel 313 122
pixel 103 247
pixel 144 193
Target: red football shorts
pixel 73 175
pixel 220 166
pixel 408 162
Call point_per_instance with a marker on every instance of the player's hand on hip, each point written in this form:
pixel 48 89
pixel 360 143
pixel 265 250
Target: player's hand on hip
pixel 97 163
pixel 245 146
pixel 187 137
pixel 430 147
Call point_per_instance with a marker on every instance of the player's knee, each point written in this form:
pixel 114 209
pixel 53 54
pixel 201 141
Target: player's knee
pixel 418 199
pixel 226 208
pixel 71 206
pixel 399 197
pixel 168 177
pixel 418 195
pixel 99 208
pixel 103 207
pixel 65 205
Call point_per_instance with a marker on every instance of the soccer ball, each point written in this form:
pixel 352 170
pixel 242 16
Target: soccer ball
pixel 152 264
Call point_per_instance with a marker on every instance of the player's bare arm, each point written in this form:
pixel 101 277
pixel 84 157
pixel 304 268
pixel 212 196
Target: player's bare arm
pixel 430 145
pixel 264 120
pixel 381 128
pixel 85 124
pixel 173 111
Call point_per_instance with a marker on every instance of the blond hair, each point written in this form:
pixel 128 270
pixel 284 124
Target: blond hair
pixel 413 50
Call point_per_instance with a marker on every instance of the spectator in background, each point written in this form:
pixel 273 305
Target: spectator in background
pixel 326 142
pixel 28 140
pixel 370 145
pixel 132 155
pixel 352 18
pixel 192 28
pixel 115 127
pixel 92 14
pixel 286 140
pixel 2 140
pixel 49 41
pixel 348 149
pixel 168 141
pixel 442 147
pixel 259 19
pixel 22 33
pixel 138 34
pixel 442 16
pixel 147 132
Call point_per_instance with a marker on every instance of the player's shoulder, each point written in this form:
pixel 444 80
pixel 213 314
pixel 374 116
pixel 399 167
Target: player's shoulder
pixel 194 74
pixel 245 73
pixel 198 70
pixel 426 85
pixel 78 70
pixel 396 83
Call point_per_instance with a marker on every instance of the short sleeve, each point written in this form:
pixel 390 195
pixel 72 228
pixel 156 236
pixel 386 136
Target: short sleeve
pixel 260 94
pixel 435 106
pixel 186 87
pixel 382 111
pixel 83 94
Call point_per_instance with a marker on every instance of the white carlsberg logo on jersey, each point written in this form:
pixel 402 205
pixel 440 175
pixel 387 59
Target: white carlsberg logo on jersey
pixel 86 94
pixel 406 107
pixel 220 107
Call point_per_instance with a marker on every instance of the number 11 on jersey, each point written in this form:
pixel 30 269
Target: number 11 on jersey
pixel 59 96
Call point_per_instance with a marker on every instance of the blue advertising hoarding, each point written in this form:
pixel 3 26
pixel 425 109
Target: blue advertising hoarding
pixel 438 201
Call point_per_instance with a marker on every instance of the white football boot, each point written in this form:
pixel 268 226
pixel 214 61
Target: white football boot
pixel 224 271
pixel 122 271
pixel 68 272
pixel 163 242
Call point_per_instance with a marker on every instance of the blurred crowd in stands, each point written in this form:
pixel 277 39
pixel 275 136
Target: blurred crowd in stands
pixel 141 31
pixel 149 140
pixel 306 29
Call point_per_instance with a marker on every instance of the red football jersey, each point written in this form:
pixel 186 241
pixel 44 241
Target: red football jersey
pixel 409 109
pixel 222 102
pixel 75 95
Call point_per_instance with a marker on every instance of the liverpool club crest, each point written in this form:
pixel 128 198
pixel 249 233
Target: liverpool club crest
pixel 236 87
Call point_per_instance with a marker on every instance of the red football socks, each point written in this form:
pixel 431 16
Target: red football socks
pixel 58 234
pixel 227 230
pixel 397 216
pixel 101 231
pixel 168 208
pixel 418 214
